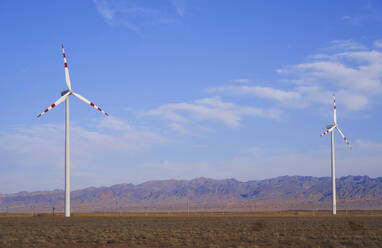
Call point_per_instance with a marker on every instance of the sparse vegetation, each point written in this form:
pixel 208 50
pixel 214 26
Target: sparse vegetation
pixel 269 229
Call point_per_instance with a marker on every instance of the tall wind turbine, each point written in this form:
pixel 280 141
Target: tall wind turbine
pixel 330 129
pixel 65 96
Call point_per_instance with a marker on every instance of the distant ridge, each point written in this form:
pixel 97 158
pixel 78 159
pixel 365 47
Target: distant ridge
pixel 205 194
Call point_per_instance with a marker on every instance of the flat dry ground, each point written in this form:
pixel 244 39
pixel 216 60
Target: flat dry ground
pixel 288 229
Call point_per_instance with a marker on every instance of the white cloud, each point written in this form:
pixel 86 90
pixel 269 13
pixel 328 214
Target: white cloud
pixel 177 127
pixel 216 103
pixel 253 163
pixel 355 76
pixel 353 101
pixel 39 145
pixel 180 6
pixel 366 14
pixel 258 91
pixel 136 14
pixel 349 70
pixel 32 146
pixel 368 147
pixel 345 45
pixel 38 151
pixel 116 135
pixel 240 80
pixel 315 94
pixel 104 9
pixel 360 71
pixel 252 151
pixel 209 109
pixel 378 43
pixel 114 124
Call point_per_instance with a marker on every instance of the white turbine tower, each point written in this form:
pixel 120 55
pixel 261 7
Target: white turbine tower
pixel 330 128
pixel 65 96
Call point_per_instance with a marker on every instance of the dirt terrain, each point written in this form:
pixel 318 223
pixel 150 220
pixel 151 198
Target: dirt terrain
pixel 272 229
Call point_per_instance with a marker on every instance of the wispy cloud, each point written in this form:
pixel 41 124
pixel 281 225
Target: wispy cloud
pixel 136 14
pixel 363 76
pixel 118 136
pixel 209 109
pixel 350 70
pixel 366 14
pixel 354 75
pixel 255 162
pixel 39 152
pixel 240 80
pixel 180 6
pixel 345 45
pixel 42 144
pixel 378 43
pixel 258 91
pixel 178 127
pixel 253 151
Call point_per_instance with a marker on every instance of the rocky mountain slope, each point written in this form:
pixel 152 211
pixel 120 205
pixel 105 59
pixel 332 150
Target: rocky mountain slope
pixel 201 194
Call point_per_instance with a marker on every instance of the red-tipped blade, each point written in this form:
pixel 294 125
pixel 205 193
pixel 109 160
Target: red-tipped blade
pixel 89 102
pixel 335 109
pixel 67 78
pixel 327 131
pixel 55 104
pixel 343 136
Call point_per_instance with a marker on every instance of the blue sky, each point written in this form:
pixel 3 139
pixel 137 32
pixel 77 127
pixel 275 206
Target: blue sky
pixel 194 88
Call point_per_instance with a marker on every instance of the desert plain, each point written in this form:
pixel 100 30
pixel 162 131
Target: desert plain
pixel 196 229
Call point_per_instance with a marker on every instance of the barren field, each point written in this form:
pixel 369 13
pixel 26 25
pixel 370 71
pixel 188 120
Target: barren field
pixel 272 229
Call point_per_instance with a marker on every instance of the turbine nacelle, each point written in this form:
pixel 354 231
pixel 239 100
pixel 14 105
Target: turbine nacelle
pixel 330 126
pixel 65 91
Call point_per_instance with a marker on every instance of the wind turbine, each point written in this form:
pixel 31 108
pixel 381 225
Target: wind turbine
pixel 65 96
pixel 330 128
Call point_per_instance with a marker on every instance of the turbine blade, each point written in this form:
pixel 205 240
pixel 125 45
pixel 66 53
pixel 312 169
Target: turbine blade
pixel 343 136
pixel 328 131
pixel 335 109
pixel 55 104
pixel 89 102
pixel 67 78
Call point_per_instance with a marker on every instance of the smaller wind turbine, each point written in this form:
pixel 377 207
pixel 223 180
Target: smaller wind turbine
pixel 330 129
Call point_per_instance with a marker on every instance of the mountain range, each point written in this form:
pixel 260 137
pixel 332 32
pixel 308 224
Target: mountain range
pixel 205 194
